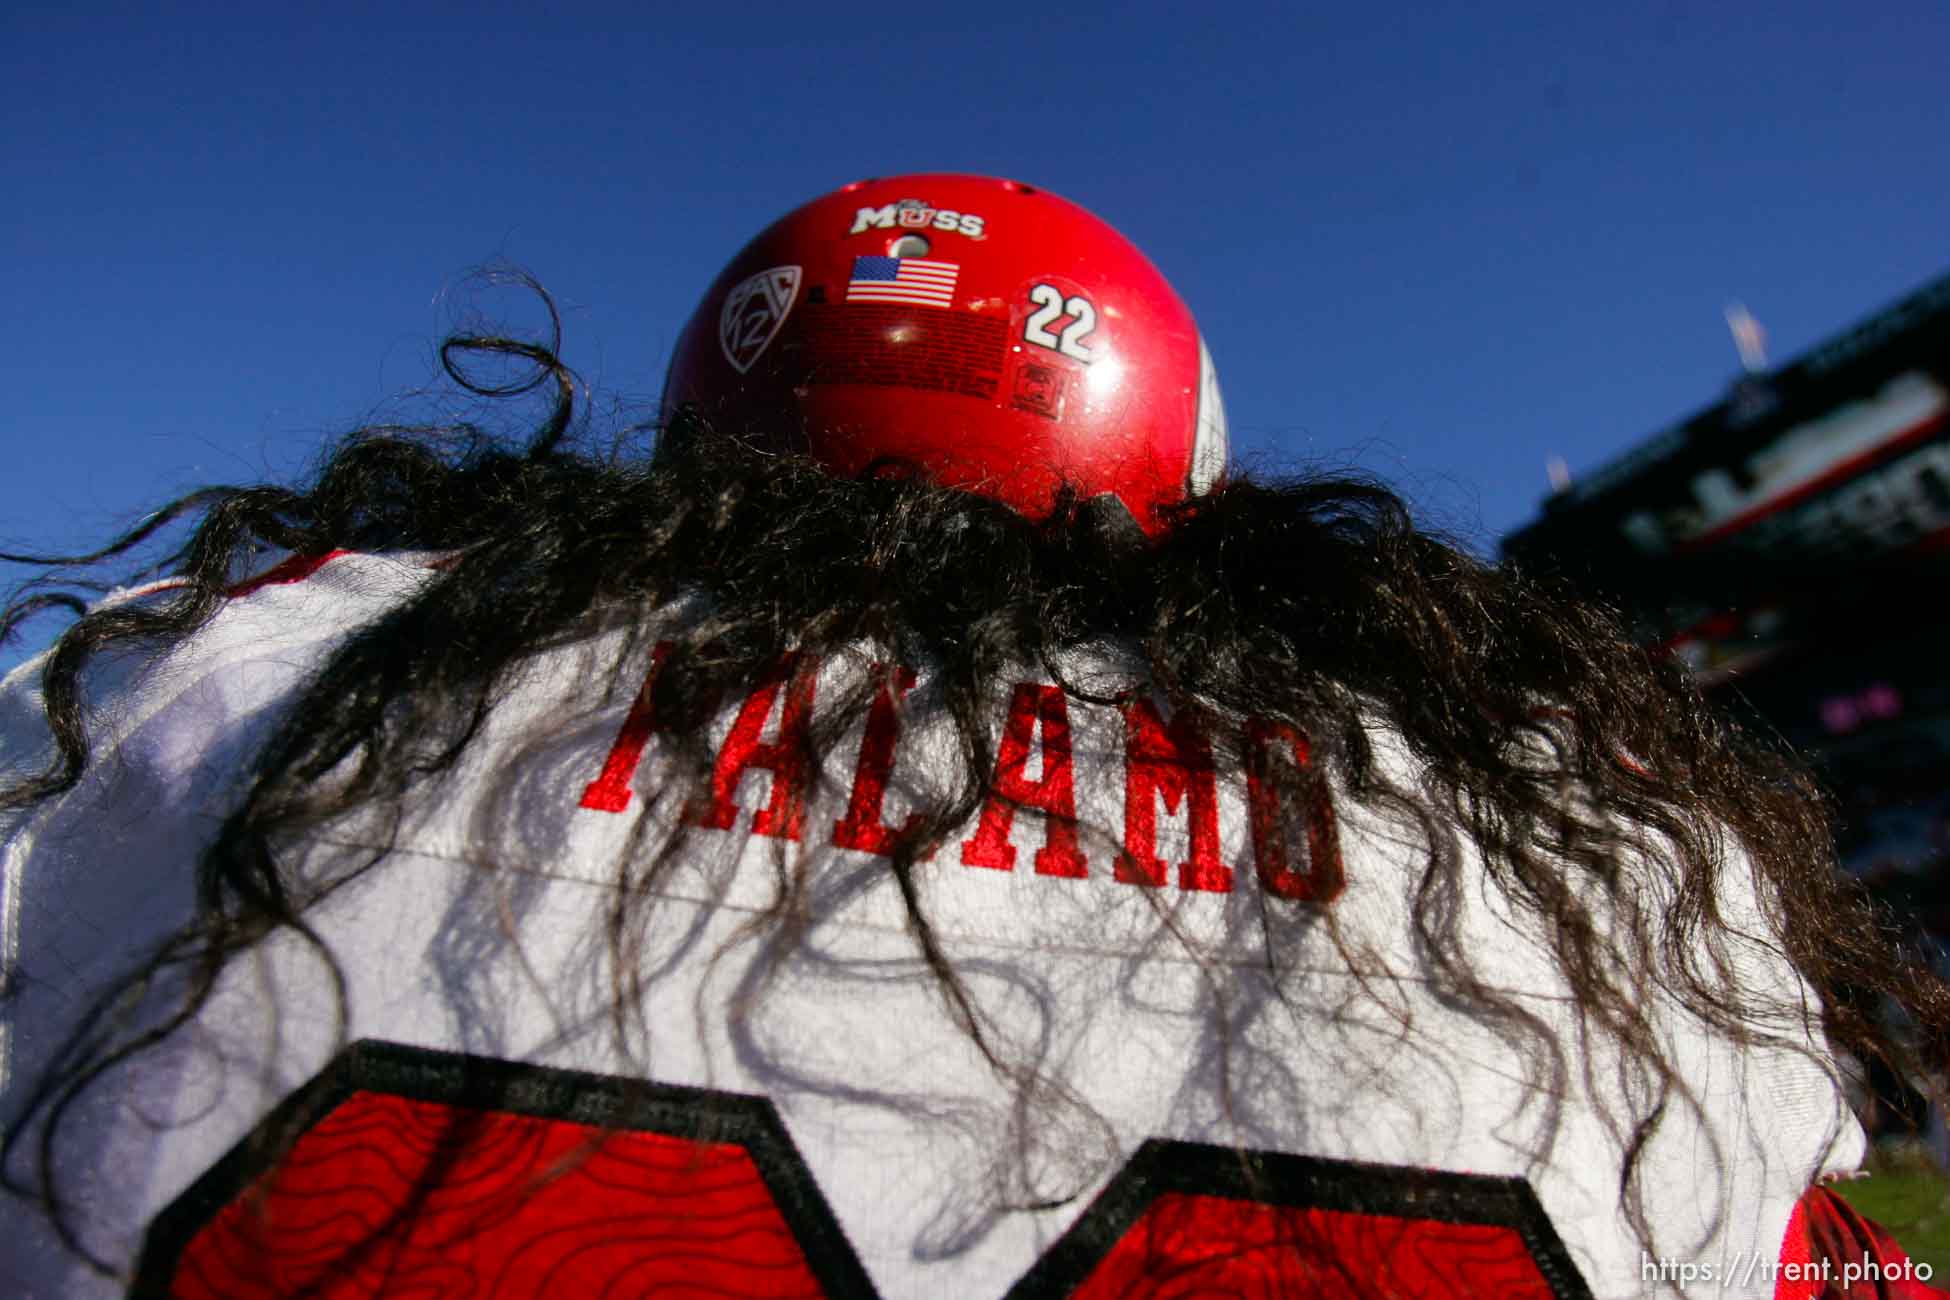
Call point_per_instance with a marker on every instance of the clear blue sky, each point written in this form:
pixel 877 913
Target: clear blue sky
pixel 1439 242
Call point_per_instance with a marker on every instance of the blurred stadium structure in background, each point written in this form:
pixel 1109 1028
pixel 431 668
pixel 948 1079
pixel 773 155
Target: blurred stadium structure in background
pixel 1791 545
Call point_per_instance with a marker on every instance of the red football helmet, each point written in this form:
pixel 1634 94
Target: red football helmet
pixel 997 336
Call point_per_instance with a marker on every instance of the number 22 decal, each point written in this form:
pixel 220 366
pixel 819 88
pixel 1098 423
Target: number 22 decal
pixel 1051 306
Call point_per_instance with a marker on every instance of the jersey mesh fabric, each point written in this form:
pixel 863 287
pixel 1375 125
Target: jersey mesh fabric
pixel 1207 1010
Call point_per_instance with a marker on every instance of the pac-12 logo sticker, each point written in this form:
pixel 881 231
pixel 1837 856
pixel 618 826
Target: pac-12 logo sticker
pixel 753 312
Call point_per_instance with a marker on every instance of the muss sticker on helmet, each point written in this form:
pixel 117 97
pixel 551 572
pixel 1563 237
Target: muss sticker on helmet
pixel 917 215
pixel 753 312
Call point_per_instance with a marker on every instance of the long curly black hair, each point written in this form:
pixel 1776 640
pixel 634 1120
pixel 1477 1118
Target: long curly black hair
pixel 1565 754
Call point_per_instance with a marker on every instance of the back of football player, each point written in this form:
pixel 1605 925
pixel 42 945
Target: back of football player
pixel 924 831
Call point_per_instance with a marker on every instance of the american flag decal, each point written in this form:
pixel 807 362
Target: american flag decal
pixel 902 279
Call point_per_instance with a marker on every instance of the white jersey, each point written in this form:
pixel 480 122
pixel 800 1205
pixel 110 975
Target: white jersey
pixel 1200 1039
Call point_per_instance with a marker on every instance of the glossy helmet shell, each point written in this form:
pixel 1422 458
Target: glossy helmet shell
pixel 997 337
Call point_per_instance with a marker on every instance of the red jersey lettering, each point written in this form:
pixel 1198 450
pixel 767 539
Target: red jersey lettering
pixel 862 828
pixel 784 814
pixel 610 792
pixel 1053 793
pixel 1323 878
pixel 1170 763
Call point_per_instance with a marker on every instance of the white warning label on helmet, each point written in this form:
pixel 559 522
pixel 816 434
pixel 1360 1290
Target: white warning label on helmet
pixel 1209 448
pixel 753 312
